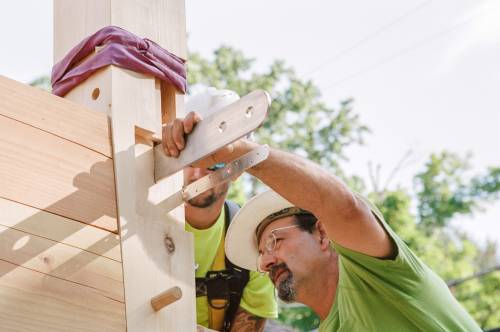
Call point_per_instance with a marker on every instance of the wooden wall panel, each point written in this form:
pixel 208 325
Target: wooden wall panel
pixel 53 174
pixel 53 227
pixel 55 115
pixel 33 301
pixel 62 261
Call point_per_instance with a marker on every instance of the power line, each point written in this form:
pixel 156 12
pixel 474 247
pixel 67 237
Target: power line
pixel 403 51
pixel 369 37
pixel 456 282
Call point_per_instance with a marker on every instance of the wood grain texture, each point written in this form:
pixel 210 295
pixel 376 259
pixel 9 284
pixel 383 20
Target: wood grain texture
pixel 33 301
pixel 55 115
pixel 62 261
pixel 167 297
pixel 134 100
pixel 53 174
pixel 87 16
pixel 53 227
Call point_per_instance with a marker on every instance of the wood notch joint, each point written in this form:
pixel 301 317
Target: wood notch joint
pixel 146 137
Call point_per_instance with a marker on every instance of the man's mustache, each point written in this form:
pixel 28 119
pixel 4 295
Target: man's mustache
pixel 277 267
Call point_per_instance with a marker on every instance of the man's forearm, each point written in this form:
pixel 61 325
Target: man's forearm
pixel 305 184
pixel 347 219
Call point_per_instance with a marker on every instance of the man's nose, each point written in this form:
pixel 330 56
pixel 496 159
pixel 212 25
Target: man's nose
pixel 266 261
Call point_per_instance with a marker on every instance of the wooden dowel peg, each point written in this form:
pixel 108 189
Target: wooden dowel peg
pixel 167 297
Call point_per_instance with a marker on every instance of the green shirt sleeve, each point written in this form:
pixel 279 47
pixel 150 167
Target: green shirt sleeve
pixel 258 296
pixel 398 294
pixel 404 271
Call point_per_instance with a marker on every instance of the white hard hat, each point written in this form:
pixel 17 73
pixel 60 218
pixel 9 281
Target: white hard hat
pixel 210 100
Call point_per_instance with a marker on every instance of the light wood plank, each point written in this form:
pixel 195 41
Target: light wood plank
pixel 31 301
pixel 132 100
pixel 164 22
pixel 88 17
pixel 53 227
pixel 44 171
pixel 62 261
pixel 56 115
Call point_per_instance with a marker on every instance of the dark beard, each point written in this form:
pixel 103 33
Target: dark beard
pixel 206 202
pixel 286 288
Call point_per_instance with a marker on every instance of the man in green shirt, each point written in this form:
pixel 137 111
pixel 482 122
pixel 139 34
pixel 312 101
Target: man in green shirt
pixel 206 219
pixel 329 248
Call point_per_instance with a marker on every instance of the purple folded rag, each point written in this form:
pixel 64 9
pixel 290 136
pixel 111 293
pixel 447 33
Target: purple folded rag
pixel 120 48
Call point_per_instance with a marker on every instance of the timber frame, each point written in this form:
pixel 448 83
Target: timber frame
pixel 87 242
pixel 81 247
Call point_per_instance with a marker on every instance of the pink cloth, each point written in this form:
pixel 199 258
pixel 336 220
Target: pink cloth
pixel 120 48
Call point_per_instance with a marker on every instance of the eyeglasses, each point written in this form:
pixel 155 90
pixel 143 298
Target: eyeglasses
pixel 270 245
pixel 216 167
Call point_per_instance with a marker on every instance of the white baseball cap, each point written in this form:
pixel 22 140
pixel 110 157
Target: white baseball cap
pixel 241 238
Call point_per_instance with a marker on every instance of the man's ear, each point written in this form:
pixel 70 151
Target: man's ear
pixel 323 238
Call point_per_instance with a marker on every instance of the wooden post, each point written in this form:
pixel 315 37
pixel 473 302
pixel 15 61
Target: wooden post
pixel 157 253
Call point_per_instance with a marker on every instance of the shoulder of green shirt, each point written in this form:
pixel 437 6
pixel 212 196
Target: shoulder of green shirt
pixel 403 256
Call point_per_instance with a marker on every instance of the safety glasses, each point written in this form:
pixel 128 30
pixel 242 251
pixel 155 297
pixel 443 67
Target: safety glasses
pixel 270 245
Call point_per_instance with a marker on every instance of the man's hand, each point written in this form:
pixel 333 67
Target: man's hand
pixel 174 141
pixel 174 134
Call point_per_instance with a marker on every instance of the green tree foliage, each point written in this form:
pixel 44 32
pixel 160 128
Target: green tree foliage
pixel 42 82
pixel 300 122
pixel 444 189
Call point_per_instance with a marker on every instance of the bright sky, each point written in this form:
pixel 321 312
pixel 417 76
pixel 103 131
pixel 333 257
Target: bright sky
pixel 424 73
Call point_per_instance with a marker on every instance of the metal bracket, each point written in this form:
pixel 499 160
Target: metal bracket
pixel 216 131
pixel 223 175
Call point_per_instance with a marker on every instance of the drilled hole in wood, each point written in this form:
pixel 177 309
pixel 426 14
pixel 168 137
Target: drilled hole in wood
pixel 249 112
pixel 169 244
pixel 222 126
pixel 96 93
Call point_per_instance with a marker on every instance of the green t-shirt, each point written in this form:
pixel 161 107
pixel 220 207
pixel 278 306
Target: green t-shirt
pixel 402 294
pixel 258 295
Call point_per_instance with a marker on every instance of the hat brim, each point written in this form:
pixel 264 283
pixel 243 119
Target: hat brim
pixel 241 241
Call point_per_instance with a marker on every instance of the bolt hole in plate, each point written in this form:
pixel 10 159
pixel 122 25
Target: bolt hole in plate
pixel 169 244
pixel 249 112
pixel 222 126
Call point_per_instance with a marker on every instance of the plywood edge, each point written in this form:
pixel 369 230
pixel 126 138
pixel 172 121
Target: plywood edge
pixel 55 115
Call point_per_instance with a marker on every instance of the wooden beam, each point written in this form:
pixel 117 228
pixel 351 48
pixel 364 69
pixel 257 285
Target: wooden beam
pixel 59 229
pixel 33 301
pixel 62 261
pixel 42 170
pixel 133 100
pixel 55 115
